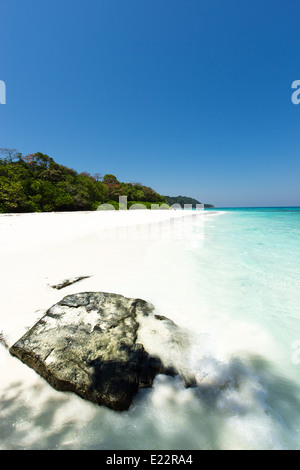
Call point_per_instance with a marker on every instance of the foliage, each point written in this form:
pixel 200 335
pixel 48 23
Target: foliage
pixel 181 200
pixel 147 205
pixel 133 205
pixel 36 183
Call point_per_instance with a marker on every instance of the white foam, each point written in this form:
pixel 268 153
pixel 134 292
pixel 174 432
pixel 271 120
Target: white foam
pixel 237 402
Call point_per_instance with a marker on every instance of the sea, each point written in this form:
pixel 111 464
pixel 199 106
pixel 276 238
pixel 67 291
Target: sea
pixel 238 293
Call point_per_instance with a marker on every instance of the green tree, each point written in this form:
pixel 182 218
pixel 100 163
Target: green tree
pixel 36 182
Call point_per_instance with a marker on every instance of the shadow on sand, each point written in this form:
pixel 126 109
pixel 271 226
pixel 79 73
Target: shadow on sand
pixel 26 425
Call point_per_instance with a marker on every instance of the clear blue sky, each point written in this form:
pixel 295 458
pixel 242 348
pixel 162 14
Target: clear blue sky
pixel 191 97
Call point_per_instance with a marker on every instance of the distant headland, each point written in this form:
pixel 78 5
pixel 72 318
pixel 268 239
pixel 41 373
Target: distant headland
pixel 182 200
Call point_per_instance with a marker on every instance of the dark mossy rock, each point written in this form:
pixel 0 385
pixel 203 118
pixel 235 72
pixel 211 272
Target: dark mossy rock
pixel 91 344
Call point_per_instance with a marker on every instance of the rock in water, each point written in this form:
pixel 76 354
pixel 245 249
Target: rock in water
pixel 89 343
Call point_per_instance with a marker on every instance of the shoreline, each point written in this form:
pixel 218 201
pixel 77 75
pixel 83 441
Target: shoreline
pixel 212 291
pixel 40 250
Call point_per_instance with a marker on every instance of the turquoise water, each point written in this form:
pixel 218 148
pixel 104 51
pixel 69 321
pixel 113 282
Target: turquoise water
pixel 248 277
pixel 239 293
pixel 262 250
pixel 257 209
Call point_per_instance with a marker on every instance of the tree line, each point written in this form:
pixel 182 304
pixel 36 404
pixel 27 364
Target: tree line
pixel 36 183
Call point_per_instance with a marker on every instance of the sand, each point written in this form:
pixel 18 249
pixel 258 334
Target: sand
pixel 129 253
pixel 41 250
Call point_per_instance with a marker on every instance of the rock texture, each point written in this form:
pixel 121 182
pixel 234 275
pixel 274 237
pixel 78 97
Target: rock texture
pixel 91 344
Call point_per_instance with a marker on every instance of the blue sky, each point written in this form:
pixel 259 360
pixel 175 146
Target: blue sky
pixel 191 97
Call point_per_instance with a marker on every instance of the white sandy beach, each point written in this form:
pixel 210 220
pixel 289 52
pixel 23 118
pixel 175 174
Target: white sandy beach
pixel 41 250
pixel 195 282
pixel 112 247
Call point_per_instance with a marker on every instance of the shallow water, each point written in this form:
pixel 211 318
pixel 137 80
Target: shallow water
pixel 238 294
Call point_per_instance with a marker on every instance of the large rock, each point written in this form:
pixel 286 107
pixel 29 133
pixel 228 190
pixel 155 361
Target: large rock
pixel 103 347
